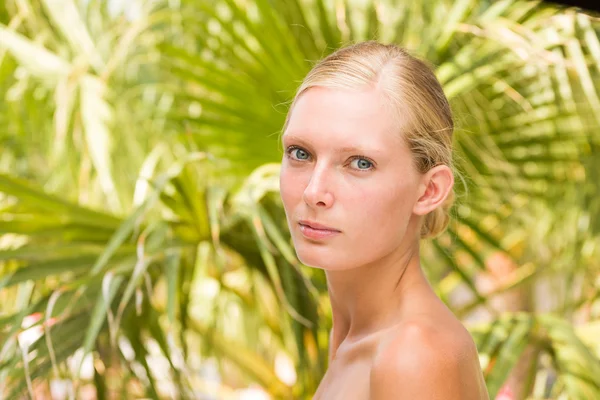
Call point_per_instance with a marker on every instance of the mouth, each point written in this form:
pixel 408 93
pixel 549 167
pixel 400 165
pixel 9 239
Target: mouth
pixel 316 226
pixel 314 231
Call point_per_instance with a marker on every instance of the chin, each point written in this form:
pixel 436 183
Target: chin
pixel 324 259
pixel 311 256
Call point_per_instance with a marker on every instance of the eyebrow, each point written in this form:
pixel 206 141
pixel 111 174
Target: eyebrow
pixel 345 149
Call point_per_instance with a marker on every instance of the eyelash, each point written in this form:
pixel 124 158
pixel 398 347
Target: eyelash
pixel 289 150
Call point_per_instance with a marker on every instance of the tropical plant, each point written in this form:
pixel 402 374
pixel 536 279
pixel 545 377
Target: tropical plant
pixel 160 253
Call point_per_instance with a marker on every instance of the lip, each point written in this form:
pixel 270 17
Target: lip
pixel 317 226
pixel 312 230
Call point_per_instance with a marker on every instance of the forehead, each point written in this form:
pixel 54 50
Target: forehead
pixel 348 118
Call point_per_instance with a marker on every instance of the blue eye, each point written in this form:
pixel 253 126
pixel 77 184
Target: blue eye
pixel 363 164
pixel 300 154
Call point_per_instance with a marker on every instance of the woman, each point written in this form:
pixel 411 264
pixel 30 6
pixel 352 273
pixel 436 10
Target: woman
pixel 367 173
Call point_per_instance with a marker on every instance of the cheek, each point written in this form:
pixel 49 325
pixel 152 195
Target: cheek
pixel 382 211
pixel 291 185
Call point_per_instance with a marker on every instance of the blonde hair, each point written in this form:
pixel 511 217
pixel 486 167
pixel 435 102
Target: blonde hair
pixel 416 98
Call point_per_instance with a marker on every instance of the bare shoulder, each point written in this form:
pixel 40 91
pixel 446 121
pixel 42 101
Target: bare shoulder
pixel 428 360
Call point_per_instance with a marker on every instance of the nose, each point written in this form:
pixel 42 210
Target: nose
pixel 318 191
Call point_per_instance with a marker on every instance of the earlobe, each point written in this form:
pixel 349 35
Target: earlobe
pixel 438 183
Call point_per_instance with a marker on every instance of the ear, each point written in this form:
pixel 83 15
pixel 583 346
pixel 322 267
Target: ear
pixel 434 187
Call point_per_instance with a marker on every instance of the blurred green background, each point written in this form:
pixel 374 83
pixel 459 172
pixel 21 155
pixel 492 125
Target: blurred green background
pixel 144 251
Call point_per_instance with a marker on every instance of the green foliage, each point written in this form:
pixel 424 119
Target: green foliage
pixel 132 231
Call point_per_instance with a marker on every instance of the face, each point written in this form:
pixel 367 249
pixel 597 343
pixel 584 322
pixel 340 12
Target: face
pixel 346 166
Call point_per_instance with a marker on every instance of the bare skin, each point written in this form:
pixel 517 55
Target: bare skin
pixel 422 320
pixel 346 167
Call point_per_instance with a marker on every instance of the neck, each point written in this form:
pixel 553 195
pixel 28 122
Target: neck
pixel 370 298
